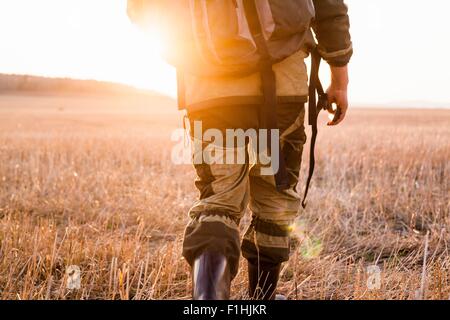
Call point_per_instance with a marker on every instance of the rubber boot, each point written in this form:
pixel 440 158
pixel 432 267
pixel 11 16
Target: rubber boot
pixel 211 277
pixel 263 281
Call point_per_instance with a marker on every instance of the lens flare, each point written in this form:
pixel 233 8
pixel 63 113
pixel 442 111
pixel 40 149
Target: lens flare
pixel 310 246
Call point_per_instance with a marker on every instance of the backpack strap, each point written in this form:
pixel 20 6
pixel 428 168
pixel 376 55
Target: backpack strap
pixel 314 108
pixel 268 110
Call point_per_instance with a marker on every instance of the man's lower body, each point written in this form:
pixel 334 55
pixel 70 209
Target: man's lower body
pixel 212 244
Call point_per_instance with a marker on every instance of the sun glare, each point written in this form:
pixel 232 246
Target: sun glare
pixel 94 39
pixel 151 72
pixel 82 39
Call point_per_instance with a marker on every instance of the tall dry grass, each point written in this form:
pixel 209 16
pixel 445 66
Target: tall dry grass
pixel 88 181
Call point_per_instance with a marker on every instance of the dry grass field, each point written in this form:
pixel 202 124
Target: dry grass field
pixel 88 181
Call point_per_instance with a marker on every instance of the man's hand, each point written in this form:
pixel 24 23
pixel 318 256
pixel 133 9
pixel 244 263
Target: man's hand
pixel 337 92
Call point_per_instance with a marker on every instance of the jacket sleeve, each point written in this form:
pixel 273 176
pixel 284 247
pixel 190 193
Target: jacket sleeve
pixel 332 29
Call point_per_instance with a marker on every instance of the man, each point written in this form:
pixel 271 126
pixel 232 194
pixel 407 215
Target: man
pixel 212 242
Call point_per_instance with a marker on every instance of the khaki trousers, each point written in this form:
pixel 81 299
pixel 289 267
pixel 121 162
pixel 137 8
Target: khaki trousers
pixel 226 190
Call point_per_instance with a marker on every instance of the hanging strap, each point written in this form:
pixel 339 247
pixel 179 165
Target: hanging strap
pixel 314 108
pixel 268 109
pixel 181 89
pixel 268 120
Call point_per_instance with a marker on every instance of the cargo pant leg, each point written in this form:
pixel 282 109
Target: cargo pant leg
pixel 224 191
pixel 267 239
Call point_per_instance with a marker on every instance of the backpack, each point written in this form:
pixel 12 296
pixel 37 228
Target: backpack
pixel 237 38
pixel 227 37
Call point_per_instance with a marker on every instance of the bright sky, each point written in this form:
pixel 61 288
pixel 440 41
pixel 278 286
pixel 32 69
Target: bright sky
pixel 401 46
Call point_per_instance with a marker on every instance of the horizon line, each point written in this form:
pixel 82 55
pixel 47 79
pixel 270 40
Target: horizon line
pixel 400 104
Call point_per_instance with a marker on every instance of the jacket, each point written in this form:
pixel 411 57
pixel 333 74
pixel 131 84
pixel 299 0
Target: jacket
pixel 331 27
